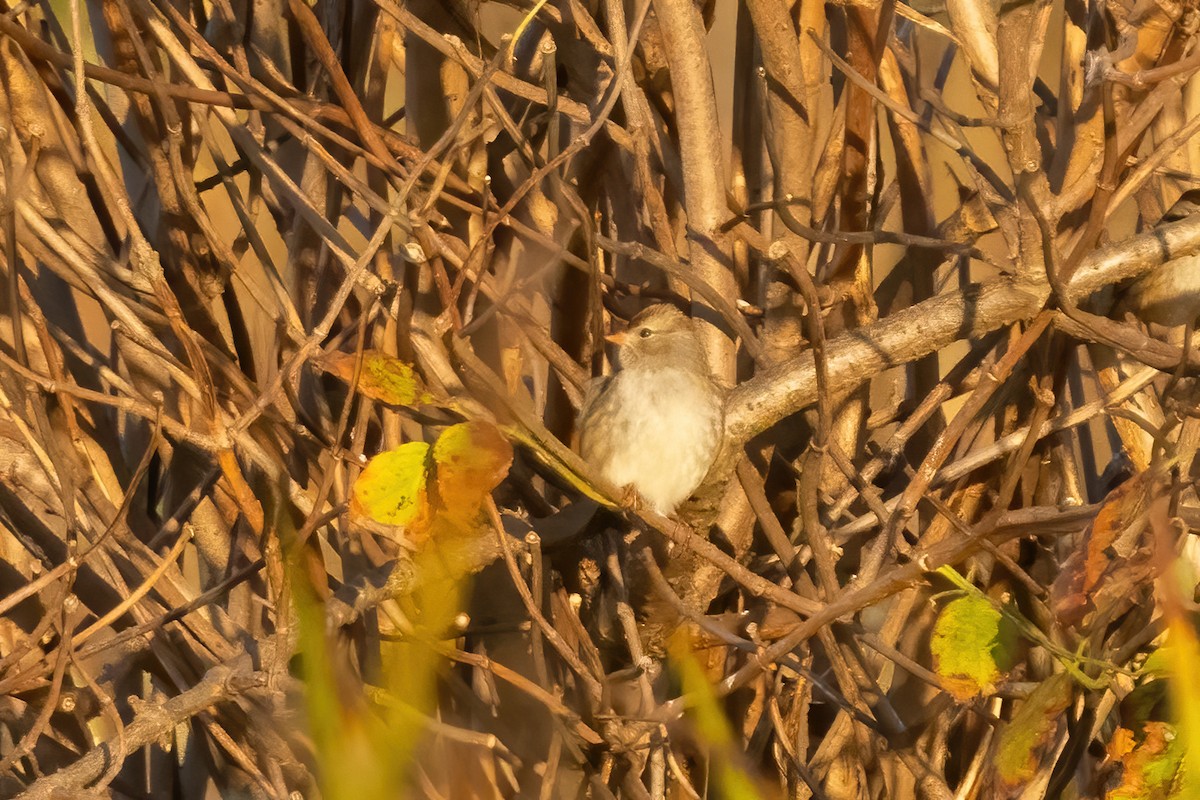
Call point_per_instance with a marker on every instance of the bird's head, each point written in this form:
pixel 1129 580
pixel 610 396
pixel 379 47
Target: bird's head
pixel 660 337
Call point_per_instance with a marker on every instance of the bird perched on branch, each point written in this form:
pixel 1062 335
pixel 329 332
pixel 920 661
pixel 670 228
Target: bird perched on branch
pixel 655 425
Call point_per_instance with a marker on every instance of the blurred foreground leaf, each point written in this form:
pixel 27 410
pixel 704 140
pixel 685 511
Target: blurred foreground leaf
pixel 1182 657
pixel 712 726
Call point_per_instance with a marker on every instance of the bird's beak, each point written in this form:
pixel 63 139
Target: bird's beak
pixel 617 338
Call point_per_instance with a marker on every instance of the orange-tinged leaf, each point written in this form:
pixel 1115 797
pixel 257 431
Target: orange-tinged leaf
pixel 1031 731
pixel 1113 560
pixel 392 488
pixel 1120 745
pixel 972 647
pixel 1120 508
pixel 382 377
pixel 1150 768
pixel 437 492
pixel 470 460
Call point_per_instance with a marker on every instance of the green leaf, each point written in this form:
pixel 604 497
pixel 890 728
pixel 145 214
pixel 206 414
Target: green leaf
pixel 1031 731
pixel 972 646
pixel 1158 663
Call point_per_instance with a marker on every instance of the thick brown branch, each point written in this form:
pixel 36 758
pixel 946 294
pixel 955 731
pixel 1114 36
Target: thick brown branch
pixel 855 357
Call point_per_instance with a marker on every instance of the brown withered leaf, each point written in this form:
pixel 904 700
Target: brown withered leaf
pixel 1115 557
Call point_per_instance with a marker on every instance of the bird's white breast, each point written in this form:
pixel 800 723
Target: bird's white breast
pixel 671 423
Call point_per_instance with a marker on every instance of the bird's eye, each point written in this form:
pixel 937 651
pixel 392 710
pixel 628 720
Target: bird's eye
pixel 644 333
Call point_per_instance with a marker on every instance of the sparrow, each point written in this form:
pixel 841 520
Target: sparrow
pixel 656 423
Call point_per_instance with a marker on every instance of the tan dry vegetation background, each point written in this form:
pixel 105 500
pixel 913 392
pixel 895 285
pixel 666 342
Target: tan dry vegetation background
pixel 300 302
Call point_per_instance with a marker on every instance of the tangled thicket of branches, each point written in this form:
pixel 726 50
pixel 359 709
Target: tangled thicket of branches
pixel 248 246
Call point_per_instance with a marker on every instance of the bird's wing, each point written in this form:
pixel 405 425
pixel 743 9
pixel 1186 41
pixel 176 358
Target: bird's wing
pixel 595 401
pixel 595 388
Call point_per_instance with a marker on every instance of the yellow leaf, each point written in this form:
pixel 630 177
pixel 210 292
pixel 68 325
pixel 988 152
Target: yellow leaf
pixel 972 647
pixel 435 491
pixel 392 489
pixel 382 377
